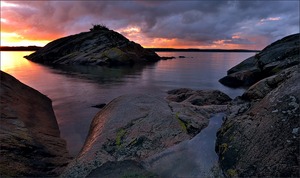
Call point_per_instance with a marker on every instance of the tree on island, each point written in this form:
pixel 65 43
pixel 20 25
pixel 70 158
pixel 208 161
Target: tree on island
pixel 97 27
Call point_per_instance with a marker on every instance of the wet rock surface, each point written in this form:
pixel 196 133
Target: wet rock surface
pixel 192 158
pixel 30 140
pixel 97 47
pixel 134 127
pixel 260 137
pixel 277 56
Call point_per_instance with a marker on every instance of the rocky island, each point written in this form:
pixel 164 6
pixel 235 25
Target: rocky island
pixel 99 46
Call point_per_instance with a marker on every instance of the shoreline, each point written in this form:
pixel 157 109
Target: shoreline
pixel 35 48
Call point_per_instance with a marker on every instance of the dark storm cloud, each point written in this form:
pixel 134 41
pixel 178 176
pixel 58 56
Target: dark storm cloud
pixel 222 20
pixel 198 21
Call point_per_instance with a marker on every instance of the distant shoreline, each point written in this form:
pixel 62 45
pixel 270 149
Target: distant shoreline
pixel 200 50
pixel 35 48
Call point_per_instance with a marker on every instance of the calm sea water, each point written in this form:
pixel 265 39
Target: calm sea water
pixel 75 89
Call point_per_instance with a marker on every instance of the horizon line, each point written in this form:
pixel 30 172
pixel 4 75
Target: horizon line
pixel 34 47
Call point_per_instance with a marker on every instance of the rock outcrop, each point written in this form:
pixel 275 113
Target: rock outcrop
pixel 277 56
pixel 134 127
pixel 260 136
pixel 97 47
pixel 30 139
pixel 198 97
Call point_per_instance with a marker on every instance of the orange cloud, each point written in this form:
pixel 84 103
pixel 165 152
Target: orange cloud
pixel 16 32
pixel 13 39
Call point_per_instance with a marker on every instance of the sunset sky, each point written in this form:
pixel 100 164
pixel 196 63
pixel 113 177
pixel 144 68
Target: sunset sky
pixel 177 24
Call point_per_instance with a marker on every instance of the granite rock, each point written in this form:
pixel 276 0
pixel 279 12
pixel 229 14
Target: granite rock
pixel 275 57
pixel 260 137
pixel 30 139
pixel 134 127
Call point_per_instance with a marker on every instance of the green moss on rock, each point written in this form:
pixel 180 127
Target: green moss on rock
pixel 115 55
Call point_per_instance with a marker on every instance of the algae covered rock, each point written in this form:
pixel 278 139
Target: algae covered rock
pixel 134 127
pixel 131 127
pixel 115 56
pixel 97 47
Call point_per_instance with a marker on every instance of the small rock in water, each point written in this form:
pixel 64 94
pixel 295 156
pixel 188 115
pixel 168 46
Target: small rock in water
pixel 99 105
pixel 167 57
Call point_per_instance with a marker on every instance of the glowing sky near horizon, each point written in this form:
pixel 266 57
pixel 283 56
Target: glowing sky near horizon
pixel 177 24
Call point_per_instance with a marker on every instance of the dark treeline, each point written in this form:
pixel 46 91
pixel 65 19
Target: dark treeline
pixel 19 48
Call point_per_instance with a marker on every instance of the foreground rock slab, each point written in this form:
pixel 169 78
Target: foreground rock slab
pixel 97 47
pixel 134 127
pixel 261 136
pixel 30 139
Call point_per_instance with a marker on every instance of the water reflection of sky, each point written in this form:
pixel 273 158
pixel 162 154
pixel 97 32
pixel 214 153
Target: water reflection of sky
pixel 74 89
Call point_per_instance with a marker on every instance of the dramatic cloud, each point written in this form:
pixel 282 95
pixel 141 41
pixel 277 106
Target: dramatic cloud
pixel 206 24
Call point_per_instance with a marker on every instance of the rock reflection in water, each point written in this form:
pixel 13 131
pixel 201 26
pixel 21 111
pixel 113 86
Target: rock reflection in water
pixel 193 158
pixel 101 74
